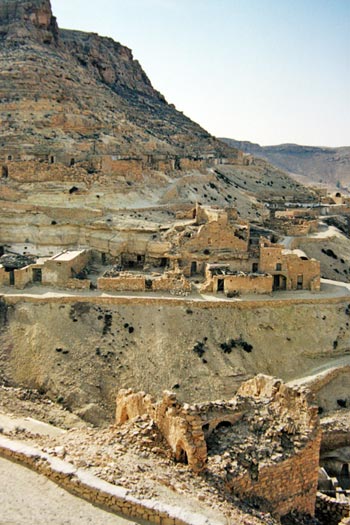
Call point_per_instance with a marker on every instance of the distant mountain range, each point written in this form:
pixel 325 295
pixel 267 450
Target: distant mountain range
pixel 329 166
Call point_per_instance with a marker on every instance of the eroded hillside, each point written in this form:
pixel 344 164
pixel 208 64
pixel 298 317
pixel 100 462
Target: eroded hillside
pixel 82 352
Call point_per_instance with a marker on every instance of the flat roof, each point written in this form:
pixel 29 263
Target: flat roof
pixel 67 256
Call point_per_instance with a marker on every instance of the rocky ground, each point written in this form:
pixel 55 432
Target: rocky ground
pixel 333 252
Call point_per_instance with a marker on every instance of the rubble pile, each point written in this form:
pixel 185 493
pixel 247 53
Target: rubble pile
pixel 258 438
pixel 15 261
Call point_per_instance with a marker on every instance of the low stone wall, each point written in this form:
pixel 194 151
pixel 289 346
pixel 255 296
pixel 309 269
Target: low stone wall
pixel 78 284
pixel 125 283
pixel 331 511
pixel 87 486
pixel 169 283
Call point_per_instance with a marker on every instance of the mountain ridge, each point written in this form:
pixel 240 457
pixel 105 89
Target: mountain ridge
pixel 320 164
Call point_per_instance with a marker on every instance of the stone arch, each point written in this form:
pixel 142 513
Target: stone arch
pixel 225 420
pixel 223 424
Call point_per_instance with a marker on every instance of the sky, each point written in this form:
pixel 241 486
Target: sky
pixel 267 71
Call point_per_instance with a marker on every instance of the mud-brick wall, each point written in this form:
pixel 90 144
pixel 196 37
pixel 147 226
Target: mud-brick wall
pixel 289 485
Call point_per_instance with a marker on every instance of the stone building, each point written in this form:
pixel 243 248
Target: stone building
pixel 291 270
pixel 60 270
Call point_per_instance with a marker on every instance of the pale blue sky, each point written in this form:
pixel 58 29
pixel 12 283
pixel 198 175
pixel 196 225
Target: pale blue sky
pixel 269 71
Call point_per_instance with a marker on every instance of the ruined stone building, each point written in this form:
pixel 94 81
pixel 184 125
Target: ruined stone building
pixel 264 443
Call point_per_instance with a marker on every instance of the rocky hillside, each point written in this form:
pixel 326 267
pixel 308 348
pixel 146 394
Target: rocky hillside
pixel 326 165
pixel 68 90
pixel 81 352
pixel 85 135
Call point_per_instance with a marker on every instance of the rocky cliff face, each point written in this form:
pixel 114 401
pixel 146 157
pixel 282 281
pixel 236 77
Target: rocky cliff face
pixel 69 90
pixel 325 165
pixel 21 21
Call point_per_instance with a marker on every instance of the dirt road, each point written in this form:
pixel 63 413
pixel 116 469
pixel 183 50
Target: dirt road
pixel 26 498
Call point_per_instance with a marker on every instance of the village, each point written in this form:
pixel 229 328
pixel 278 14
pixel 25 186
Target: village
pixel 207 249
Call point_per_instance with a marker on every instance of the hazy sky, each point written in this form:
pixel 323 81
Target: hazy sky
pixel 268 71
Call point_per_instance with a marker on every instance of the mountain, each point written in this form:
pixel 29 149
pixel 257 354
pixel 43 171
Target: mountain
pixel 84 136
pixel 321 165
pixel 66 90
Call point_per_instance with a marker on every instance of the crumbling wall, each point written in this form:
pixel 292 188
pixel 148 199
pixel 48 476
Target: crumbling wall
pixel 78 284
pixel 288 485
pixel 171 281
pixel 296 213
pixel 114 166
pixel 182 429
pixel 331 511
pixel 214 236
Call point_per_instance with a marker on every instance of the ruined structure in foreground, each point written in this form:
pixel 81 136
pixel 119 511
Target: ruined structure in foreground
pixel 264 442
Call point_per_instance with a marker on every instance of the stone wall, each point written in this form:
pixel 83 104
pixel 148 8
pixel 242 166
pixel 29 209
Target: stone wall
pixel 4 277
pixel 331 511
pixel 78 284
pixel 130 168
pixel 289 485
pixel 215 237
pixel 171 281
pixel 182 430
pixel 124 283
pixel 128 282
